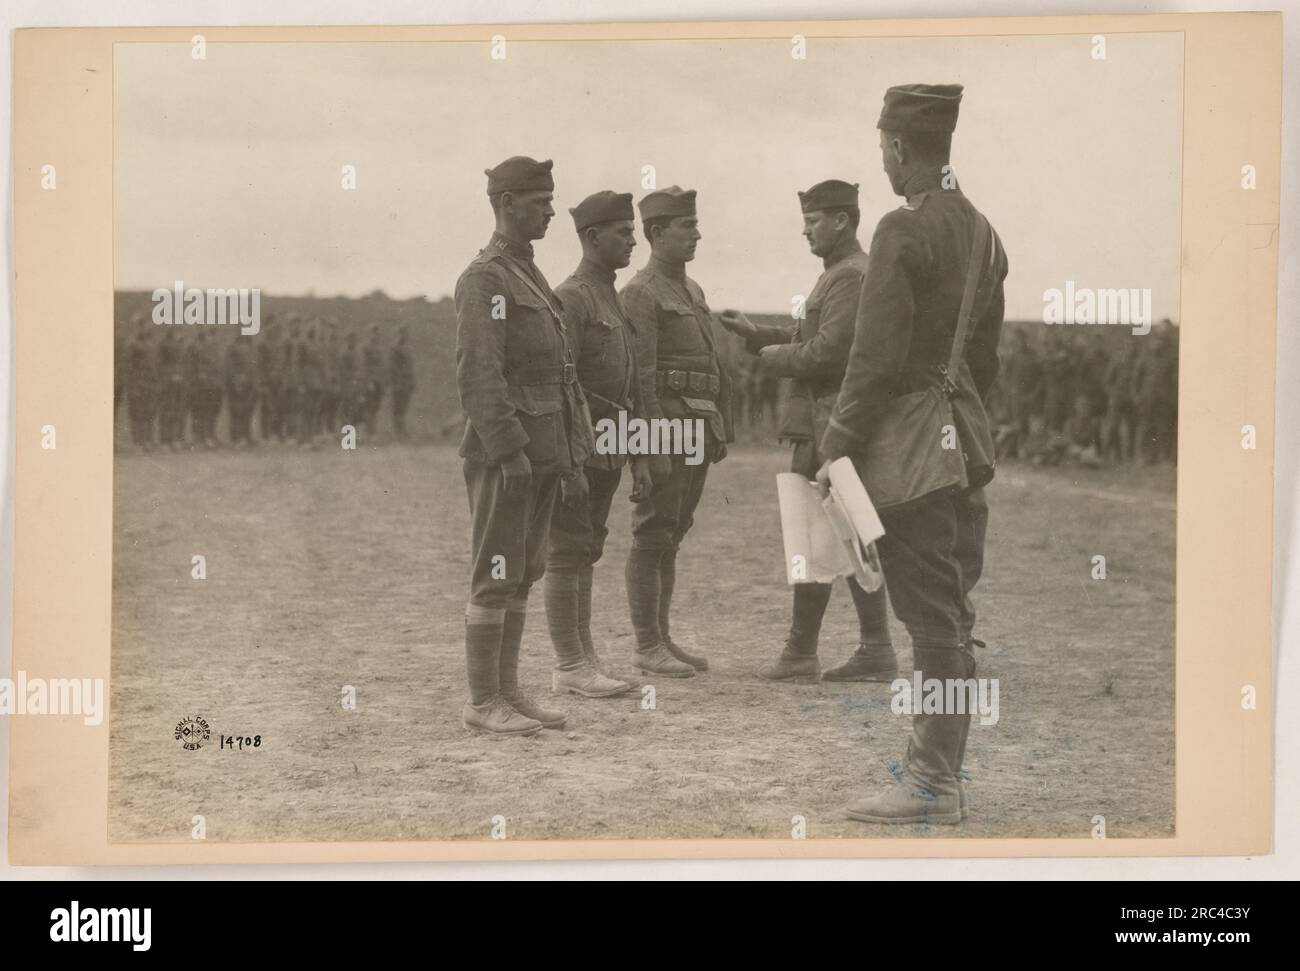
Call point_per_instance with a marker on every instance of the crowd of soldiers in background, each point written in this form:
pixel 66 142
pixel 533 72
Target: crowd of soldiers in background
pixel 1064 395
pixel 295 383
pixel 1071 398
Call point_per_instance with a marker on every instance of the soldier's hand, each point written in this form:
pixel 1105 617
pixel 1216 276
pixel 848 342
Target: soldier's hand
pixel 574 490
pixel 824 477
pixel 719 452
pixel 737 323
pixel 517 473
pixel 642 482
pixel 661 469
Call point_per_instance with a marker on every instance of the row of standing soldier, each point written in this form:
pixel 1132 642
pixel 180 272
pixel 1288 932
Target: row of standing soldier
pixel 1073 398
pixel 298 382
pixel 539 494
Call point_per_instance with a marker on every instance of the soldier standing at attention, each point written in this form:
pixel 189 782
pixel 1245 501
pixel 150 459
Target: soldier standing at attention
pixel 527 427
pixel 171 398
pixel 205 388
pixel 814 353
pixel 350 384
pixel 372 358
pixel 331 387
pixel 682 377
pixel 932 552
pixel 603 345
pixel 241 391
pixel 291 400
pixel 270 382
pixel 310 379
pixel 401 376
pixel 142 386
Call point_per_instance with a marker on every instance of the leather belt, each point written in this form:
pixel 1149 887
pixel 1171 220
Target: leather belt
pixel 543 374
pixel 689 382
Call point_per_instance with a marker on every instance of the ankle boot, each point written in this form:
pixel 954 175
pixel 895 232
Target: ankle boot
pixel 870 662
pixel 660 660
pixel 496 717
pixel 512 634
pixel 930 790
pixel 792 667
pixel 874 660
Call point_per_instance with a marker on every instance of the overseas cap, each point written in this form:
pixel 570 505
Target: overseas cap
pixel 520 173
pixel 831 194
pixel 672 201
pixel 921 107
pixel 605 206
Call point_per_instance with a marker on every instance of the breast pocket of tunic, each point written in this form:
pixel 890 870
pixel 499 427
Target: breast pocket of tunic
pixel 600 342
pixel 679 329
pixel 532 334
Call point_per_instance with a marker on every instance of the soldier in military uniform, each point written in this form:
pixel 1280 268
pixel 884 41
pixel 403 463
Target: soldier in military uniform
pixel 372 366
pixel 604 349
pixel 331 386
pixel 142 386
pixel 351 386
pixel 1024 381
pixel 310 381
pixel 171 397
pixel 527 428
pixel 814 353
pixel 291 389
pixel 270 382
pixel 933 548
pixel 401 377
pixel 682 377
pixel 241 391
pixel 205 394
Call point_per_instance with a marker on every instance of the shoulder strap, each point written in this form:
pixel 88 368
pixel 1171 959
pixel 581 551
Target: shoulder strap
pixel 524 279
pixel 979 249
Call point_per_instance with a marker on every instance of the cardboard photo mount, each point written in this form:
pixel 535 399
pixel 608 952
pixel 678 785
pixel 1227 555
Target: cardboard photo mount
pixel 63 115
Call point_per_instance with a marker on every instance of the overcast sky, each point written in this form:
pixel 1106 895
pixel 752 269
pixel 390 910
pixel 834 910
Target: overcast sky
pixel 228 169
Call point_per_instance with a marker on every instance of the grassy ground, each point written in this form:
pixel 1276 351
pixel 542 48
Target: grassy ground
pixel 334 568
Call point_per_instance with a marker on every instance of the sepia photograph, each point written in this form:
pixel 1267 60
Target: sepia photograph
pixel 645 439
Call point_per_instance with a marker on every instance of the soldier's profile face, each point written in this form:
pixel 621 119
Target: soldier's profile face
pixel 614 242
pixel 677 240
pixel 530 213
pixel 822 231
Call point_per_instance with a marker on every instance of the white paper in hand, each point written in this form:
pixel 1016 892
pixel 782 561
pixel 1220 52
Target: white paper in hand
pixel 855 522
pixel 813 553
pixel 829 537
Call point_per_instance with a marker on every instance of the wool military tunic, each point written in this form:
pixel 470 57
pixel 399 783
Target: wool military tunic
pixel 815 351
pixel 681 373
pixel 911 300
pixel 514 369
pixel 603 341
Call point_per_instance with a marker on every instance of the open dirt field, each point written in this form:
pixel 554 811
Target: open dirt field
pixel 331 568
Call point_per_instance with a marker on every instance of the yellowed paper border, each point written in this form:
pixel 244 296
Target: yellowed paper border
pixel 63 502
